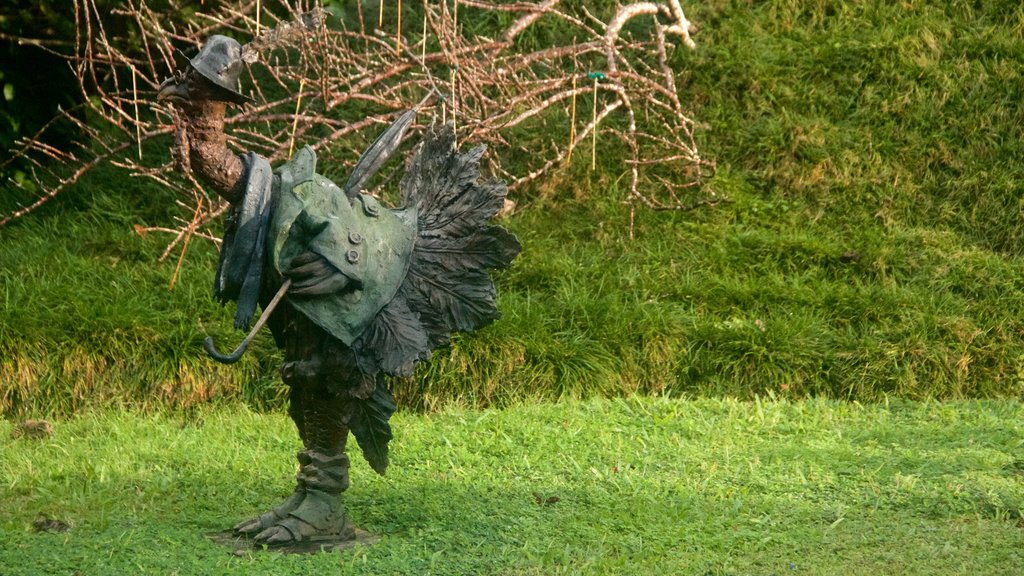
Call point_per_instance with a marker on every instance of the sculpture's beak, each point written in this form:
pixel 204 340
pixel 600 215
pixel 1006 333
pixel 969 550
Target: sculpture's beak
pixel 173 90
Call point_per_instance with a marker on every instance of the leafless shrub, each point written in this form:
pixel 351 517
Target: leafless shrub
pixel 307 76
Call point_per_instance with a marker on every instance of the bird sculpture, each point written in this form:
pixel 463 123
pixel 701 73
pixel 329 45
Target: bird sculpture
pixel 352 291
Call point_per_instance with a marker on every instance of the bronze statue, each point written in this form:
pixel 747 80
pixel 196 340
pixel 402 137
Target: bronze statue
pixel 352 291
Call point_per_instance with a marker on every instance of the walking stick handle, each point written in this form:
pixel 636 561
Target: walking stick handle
pixel 235 356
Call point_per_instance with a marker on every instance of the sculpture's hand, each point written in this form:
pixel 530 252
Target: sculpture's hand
pixel 312 275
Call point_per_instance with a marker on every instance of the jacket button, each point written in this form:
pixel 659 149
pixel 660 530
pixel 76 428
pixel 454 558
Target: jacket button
pixel 355 237
pixel 352 256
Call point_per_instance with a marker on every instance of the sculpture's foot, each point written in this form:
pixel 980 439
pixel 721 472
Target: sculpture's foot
pixel 320 516
pixel 273 516
pixel 276 514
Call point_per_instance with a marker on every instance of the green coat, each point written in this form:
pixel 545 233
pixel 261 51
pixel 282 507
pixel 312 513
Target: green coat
pixel 367 242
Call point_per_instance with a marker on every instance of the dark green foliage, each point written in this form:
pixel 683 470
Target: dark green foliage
pixel 872 109
pixel 36 79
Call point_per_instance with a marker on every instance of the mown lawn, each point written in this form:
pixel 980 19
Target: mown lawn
pixel 654 486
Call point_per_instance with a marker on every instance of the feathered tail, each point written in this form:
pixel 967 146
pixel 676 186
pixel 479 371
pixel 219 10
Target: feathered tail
pixel 447 288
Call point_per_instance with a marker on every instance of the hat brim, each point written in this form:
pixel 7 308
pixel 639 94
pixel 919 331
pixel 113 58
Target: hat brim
pixel 229 95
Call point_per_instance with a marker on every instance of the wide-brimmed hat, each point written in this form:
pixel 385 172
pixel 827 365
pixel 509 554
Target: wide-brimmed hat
pixel 220 62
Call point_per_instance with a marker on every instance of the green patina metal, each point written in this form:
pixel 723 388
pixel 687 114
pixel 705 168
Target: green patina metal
pixel 370 291
pixel 370 244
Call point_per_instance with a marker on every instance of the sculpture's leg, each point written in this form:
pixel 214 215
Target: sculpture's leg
pixel 321 408
pixel 276 514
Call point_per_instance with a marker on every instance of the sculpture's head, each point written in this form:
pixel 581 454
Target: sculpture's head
pixel 212 75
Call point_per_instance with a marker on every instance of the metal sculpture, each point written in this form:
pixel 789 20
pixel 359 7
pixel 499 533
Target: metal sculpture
pixel 351 290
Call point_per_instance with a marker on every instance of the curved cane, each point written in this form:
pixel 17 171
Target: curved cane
pixel 237 354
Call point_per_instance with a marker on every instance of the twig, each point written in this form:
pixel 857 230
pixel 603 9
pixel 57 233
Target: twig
pixel 188 236
pixel 295 123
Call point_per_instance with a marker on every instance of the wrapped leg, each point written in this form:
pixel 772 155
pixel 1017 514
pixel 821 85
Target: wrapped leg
pixel 324 412
pixel 320 515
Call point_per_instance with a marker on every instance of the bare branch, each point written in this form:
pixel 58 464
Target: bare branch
pixel 355 81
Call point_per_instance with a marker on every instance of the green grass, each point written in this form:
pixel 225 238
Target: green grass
pixel 87 318
pixel 870 250
pixel 870 152
pixel 661 486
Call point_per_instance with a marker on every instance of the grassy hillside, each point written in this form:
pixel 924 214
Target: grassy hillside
pixel 870 155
